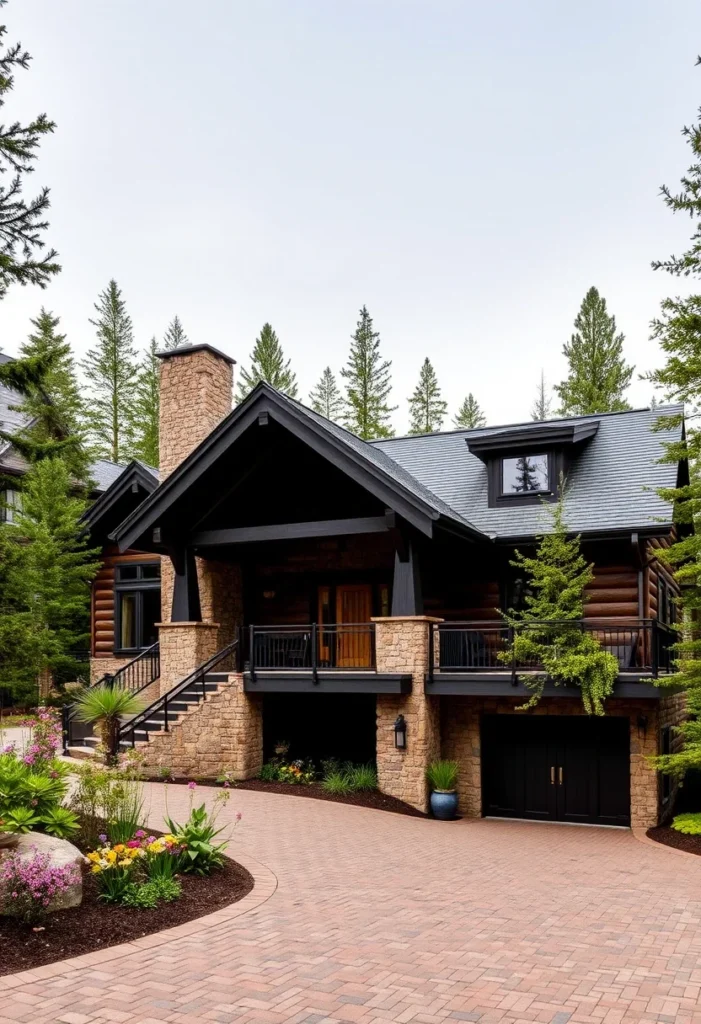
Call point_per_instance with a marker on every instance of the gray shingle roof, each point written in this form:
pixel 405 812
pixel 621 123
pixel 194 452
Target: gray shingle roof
pixel 612 482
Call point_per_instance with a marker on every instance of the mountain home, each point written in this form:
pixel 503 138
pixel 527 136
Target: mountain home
pixel 343 596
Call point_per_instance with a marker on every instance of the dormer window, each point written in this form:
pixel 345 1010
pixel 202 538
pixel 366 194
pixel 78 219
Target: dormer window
pixel 525 474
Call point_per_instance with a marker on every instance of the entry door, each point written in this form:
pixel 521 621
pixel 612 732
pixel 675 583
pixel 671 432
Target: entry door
pixel 556 768
pixel 353 606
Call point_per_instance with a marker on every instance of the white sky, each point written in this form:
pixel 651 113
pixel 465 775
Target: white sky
pixel 465 169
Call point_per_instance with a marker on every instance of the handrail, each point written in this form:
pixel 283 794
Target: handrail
pixel 161 704
pixel 318 648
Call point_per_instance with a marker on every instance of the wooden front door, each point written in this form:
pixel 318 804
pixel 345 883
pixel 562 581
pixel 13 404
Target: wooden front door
pixel 556 768
pixel 353 608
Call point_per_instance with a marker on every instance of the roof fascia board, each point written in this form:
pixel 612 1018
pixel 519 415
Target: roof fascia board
pixel 117 489
pixel 624 532
pixel 524 438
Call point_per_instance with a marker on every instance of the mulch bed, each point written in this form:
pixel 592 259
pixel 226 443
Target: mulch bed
pixel 93 925
pixel 670 837
pixel 371 798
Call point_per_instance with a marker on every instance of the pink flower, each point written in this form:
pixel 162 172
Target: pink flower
pixel 239 815
pixel 192 785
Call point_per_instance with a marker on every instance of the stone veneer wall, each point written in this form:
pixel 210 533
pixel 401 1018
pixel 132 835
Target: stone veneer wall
pixel 222 733
pixel 99 666
pixel 672 712
pixel 460 740
pixel 402 646
pixel 195 395
pixel 184 646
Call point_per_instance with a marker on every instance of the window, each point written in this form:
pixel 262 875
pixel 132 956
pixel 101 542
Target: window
pixel 527 474
pixel 10 504
pixel 137 605
pixel 666 605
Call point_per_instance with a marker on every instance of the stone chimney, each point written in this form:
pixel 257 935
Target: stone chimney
pixel 196 386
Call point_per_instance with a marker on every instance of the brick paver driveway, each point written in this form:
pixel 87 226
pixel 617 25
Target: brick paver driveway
pixel 370 917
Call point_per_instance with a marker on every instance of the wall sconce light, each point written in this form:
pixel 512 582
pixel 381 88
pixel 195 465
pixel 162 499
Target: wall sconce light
pixel 400 733
pixel 642 725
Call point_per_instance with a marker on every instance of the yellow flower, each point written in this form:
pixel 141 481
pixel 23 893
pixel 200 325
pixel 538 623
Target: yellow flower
pixel 124 863
pixel 119 848
pixel 94 857
pixel 96 869
pixel 111 856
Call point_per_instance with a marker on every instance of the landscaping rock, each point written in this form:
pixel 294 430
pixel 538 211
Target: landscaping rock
pixel 61 853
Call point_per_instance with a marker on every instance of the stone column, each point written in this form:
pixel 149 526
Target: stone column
pixel 184 647
pixel 402 645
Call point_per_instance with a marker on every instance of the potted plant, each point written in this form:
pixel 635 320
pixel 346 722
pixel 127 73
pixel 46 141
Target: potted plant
pixel 442 777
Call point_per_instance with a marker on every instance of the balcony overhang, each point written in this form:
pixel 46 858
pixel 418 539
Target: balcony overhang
pixel 336 681
pixel 640 686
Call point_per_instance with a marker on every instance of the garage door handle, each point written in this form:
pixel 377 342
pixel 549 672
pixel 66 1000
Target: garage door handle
pixel 560 775
pixel 552 774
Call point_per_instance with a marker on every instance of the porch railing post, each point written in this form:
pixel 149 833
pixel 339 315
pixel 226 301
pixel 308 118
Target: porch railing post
pixel 654 644
pixel 315 667
pixel 252 653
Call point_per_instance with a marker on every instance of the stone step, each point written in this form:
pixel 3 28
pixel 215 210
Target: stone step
pixel 82 753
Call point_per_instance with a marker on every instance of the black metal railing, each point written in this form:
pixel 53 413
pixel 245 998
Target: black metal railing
pixel 135 676
pixel 346 646
pixel 639 645
pixel 224 660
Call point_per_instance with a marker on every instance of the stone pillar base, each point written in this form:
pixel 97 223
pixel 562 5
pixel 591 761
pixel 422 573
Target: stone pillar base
pixel 184 646
pixel 402 645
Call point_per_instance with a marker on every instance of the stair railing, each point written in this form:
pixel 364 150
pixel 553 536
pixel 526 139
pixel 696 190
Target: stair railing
pixel 128 729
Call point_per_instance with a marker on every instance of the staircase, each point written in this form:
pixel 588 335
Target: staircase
pixel 169 709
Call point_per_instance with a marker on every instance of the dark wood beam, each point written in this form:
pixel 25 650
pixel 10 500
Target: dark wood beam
pixel 186 591
pixel 406 586
pixel 293 531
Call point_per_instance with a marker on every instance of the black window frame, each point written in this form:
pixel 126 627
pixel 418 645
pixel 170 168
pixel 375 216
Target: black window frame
pixel 498 499
pixel 135 586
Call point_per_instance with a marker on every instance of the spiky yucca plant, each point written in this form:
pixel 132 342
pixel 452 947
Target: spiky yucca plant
pixel 104 706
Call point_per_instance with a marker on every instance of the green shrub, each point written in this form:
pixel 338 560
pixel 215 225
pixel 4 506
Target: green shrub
pixel 147 895
pixel 269 771
pixel 105 706
pixel 443 775
pixel 108 799
pixel 201 855
pixel 31 796
pixel 689 824
pixel 362 777
pixel 336 782
pixel 60 822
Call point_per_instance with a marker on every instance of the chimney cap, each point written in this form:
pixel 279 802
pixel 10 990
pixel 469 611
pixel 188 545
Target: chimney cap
pixel 186 350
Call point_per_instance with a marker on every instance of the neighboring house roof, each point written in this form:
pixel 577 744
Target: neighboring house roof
pixel 136 478
pixel 10 419
pixel 611 485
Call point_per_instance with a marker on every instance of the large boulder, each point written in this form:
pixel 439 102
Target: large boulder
pixel 61 853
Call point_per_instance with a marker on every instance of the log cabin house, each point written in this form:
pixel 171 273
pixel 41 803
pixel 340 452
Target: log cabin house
pixel 286 580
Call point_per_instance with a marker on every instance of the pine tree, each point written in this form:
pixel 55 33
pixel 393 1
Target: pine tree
pixel 598 373
pixel 22 223
pixel 426 407
pixel 325 398
pixel 144 441
pixel 175 336
pixel 541 406
pixel 368 383
pixel 46 578
pixel 678 329
pixel 61 382
pixel 470 414
pixel 268 363
pixel 111 369
pixel 558 575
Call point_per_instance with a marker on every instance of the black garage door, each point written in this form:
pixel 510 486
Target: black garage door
pixel 556 769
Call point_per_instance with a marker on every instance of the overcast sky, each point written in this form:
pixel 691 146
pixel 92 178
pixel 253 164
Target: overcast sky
pixel 467 170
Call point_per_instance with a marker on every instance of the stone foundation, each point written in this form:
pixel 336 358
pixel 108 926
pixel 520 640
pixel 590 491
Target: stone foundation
pixel 223 733
pixel 184 646
pixel 99 666
pixel 460 741
pixel 402 646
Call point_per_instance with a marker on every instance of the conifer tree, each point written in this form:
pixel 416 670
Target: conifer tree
pixel 46 576
pixel 678 330
pixel 175 336
pixel 598 374
pixel 22 223
pixel 61 382
pixel 268 363
pixel 541 406
pixel 111 370
pixel 558 574
pixel 426 407
pixel 368 383
pixel 325 398
pixel 470 414
pixel 144 441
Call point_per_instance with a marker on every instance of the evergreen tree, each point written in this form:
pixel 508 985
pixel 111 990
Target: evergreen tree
pixel 598 373
pixel 46 576
pixel 111 370
pixel 368 383
pixel 470 414
pixel 175 336
pixel 325 398
pixel 426 406
pixel 22 223
pixel 268 363
pixel 541 406
pixel 558 574
pixel 144 441
pixel 678 329
pixel 61 382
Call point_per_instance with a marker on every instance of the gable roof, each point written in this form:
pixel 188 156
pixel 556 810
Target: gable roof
pixel 369 466
pixel 135 474
pixel 611 484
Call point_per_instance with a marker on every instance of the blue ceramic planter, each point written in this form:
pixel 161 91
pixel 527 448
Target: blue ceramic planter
pixel 444 806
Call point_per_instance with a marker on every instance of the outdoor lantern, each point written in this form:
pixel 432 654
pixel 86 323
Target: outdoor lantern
pixel 400 733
